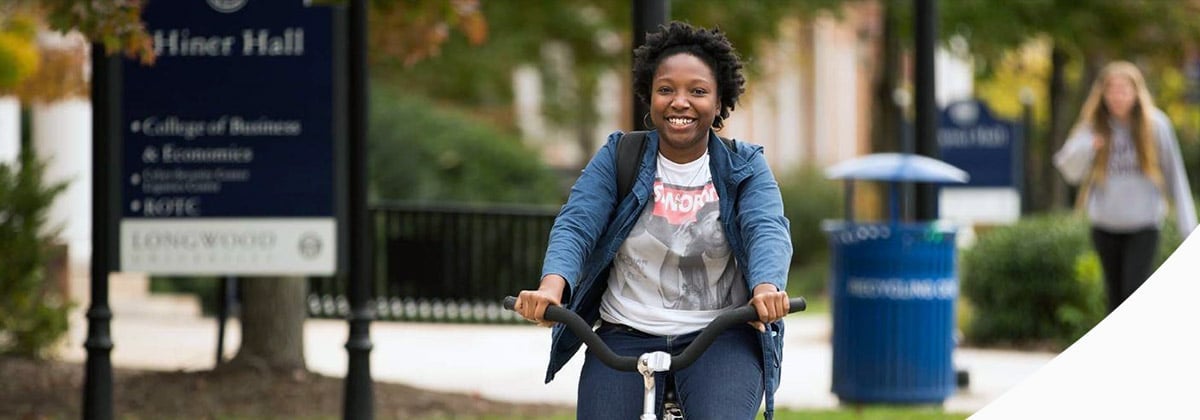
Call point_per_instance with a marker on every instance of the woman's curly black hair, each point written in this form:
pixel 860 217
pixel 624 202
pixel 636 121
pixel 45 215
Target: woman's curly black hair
pixel 709 46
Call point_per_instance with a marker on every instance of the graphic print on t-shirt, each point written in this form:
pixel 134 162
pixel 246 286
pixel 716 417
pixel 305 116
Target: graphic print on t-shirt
pixel 678 241
pixel 1123 158
pixel 680 205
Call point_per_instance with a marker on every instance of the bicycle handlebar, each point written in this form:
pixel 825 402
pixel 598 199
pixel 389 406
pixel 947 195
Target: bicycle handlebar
pixel 689 355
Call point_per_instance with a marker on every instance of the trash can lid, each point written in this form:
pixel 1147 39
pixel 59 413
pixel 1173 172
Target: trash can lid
pixel 897 167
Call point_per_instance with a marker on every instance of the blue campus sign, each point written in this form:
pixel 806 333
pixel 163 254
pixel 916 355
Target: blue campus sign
pixel 228 149
pixel 987 148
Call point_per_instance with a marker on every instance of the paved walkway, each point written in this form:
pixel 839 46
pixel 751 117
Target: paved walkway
pixel 503 362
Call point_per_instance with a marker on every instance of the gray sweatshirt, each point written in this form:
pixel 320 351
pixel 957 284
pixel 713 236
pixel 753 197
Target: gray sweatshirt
pixel 1127 200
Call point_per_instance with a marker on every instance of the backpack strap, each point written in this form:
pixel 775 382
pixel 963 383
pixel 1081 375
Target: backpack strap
pixel 630 148
pixel 729 144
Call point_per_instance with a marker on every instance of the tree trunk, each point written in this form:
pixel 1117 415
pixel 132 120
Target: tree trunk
pixel 1052 188
pixel 1065 106
pixel 1092 62
pixel 586 143
pixel 887 127
pixel 272 316
pixel 587 114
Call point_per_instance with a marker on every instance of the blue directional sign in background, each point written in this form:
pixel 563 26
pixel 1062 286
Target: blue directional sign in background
pixel 987 148
pixel 229 140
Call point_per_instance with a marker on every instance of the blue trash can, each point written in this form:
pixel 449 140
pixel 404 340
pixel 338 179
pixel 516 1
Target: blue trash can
pixel 894 287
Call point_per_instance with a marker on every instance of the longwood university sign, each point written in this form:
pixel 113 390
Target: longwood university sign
pixel 228 146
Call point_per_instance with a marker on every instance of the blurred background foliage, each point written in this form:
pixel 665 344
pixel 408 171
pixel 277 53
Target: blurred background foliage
pixel 18 46
pixel 117 25
pixel 467 71
pixel 427 153
pixel 33 73
pixel 33 314
pixel 573 42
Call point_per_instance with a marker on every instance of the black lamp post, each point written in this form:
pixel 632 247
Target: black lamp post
pixel 106 133
pixel 926 102
pixel 647 15
pixel 358 400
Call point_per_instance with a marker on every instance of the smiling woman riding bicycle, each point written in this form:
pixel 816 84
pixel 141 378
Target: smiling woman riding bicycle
pixel 654 267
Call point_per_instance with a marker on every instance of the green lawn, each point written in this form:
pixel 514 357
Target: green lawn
pixel 864 413
pixel 816 305
pixel 871 413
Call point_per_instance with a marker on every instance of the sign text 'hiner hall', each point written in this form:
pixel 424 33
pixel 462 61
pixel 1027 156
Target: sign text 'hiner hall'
pixel 251 42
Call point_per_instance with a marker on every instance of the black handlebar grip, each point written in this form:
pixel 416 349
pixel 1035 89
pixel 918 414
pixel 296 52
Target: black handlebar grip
pixel 721 323
pixel 584 331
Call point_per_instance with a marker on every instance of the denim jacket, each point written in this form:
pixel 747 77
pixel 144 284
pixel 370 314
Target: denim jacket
pixel 591 227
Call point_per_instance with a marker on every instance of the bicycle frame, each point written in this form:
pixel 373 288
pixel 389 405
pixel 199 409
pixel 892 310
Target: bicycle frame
pixel 650 363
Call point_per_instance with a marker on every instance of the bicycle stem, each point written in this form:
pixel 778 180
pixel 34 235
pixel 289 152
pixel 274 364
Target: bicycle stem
pixel 648 365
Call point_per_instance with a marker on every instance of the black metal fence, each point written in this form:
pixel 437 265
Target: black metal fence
pixel 446 263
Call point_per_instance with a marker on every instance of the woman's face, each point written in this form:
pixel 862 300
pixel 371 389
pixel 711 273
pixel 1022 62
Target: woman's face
pixel 1119 96
pixel 683 105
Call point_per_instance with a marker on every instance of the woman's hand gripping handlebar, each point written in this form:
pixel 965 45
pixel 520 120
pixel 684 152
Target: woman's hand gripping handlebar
pixel 577 325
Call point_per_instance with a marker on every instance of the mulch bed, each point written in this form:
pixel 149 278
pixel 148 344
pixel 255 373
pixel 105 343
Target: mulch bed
pixel 50 389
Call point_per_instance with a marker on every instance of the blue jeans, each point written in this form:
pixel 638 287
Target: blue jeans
pixel 726 382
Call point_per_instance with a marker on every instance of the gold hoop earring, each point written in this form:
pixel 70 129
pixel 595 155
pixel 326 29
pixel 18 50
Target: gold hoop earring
pixel 647 124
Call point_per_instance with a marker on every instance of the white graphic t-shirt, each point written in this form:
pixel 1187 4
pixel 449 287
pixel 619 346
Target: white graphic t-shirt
pixel 675 271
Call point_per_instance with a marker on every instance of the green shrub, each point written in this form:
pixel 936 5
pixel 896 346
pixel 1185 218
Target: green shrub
pixel 1078 319
pixel 420 152
pixel 810 279
pixel 206 288
pixel 1168 239
pixel 1039 282
pixel 1190 150
pixel 1025 285
pixel 32 315
pixel 809 198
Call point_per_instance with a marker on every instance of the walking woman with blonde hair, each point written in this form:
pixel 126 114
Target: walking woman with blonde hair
pixel 1125 158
